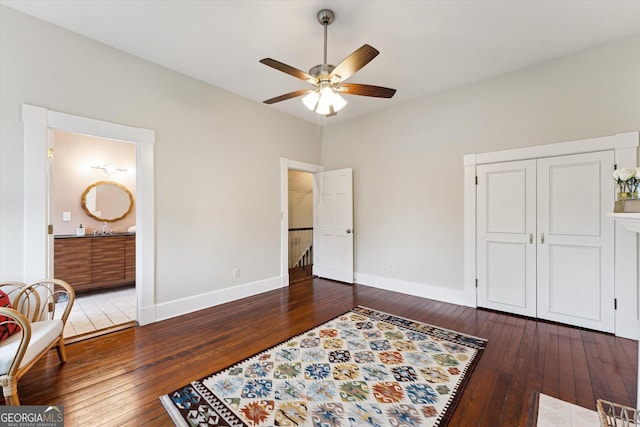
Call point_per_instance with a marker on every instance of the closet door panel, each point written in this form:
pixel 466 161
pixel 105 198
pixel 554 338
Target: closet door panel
pixel 575 275
pixel 506 280
pixel 506 205
pixel 505 233
pixel 573 194
pixel 573 289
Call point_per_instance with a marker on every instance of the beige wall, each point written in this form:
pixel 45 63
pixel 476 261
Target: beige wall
pixel 300 199
pixel 407 161
pixel 72 174
pixel 217 155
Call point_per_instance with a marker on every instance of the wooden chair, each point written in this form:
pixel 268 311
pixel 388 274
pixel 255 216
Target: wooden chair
pixel 41 309
pixel 12 289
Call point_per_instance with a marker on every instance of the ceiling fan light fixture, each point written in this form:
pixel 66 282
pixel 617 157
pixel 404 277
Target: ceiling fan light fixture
pixel 335 99
pixel 310 100
pixel 322 100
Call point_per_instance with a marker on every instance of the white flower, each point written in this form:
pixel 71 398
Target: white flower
pixel 616 175
pixel 625 173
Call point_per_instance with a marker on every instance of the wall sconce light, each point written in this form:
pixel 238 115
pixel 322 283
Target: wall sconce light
pixel 107 168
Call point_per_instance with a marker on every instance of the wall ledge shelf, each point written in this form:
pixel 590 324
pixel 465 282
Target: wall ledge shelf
pixel 631 221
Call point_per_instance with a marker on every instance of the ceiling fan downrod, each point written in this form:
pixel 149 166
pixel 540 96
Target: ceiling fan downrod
pixel 325 18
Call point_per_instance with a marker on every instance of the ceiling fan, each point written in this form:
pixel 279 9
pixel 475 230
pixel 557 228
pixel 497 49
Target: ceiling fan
pixel 324 98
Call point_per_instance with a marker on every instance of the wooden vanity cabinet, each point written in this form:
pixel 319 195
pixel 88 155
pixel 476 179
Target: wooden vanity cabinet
pixel 72 261
pixel 94 262
pixel 130 259
pixel 107 260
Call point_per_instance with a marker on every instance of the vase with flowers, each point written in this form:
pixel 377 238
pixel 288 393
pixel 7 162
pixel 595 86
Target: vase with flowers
pixel 627 180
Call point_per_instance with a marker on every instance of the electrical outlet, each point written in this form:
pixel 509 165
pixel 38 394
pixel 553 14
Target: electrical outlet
pixel 390 266
pixel 236 272
pixel 66 216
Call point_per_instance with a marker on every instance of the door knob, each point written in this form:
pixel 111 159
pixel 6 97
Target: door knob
pixel 348 231
pixel 530 237
pixel 542 238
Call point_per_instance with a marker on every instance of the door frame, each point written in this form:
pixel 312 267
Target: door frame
pixel 38 243
pixel 625 146
pixel 285 166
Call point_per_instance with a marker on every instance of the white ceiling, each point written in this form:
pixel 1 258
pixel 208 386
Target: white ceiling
pixel 425 46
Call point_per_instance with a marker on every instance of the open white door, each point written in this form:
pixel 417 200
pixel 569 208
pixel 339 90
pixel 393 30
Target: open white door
pixel 333 228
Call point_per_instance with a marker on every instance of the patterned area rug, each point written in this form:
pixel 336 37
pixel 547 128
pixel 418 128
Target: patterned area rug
pixel 364 368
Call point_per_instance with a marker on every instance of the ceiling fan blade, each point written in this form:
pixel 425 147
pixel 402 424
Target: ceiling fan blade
pixel 352 63
pixel 280 66
pixel 366 90
pixel 287 96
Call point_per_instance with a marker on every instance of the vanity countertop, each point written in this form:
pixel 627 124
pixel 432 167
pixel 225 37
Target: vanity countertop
pixel 73 236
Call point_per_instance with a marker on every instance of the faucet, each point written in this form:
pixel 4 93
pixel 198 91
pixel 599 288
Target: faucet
pixel 104 227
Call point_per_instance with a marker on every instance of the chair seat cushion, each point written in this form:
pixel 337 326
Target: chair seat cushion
pixel 42 335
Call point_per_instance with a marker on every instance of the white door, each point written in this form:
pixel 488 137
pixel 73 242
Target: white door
pixel 333 231
pixel 506 229
pixel 576 240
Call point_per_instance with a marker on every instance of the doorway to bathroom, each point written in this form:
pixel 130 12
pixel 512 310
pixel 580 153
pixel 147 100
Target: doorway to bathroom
pixel 92 209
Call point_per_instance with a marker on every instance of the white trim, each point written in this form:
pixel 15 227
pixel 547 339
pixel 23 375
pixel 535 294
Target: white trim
pixel 35 238
pixel 37 121
pixel 469 160
pixel 626 250
pixel 193 303
pixel 627 140
pixel 631 222
pixel 625 147
pixel 422 290
pixel 285 165
pixel 470 232
pixel 613 142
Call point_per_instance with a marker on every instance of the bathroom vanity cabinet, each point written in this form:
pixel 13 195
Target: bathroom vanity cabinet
pixel 95 261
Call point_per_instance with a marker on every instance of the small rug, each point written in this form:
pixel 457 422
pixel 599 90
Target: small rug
pixel 363 368
pixel 554 412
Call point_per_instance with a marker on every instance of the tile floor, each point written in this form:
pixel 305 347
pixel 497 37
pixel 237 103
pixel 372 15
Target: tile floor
pixel 101 310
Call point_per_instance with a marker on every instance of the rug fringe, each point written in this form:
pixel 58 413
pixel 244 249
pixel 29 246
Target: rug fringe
pixel 175 415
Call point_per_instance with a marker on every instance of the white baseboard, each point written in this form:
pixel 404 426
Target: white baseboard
pixel 210 299
pixel 147 315
pixel 417 289
pixel 627 327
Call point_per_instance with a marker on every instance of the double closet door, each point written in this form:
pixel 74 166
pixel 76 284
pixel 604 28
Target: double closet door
pixel 545 247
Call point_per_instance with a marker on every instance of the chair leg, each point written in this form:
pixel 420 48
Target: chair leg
pixel 62 354
pixel 12 400
pixel 10 391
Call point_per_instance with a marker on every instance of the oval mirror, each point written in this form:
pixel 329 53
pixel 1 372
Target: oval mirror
pixel 107 201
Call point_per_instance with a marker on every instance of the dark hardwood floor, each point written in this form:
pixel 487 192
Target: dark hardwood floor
pixel 115 380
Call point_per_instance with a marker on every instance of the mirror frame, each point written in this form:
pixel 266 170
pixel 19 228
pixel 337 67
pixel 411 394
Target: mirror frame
pixel 96 184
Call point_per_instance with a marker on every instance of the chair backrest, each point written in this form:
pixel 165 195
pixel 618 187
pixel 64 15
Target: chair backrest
pixel 12 289
pixel 46 299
